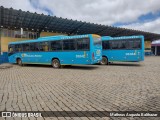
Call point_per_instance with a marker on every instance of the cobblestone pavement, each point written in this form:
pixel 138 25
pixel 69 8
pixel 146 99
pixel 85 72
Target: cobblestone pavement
pixel 117 87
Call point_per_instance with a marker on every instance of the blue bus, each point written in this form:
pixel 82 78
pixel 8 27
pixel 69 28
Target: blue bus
pixel 57 50
pixel 123 49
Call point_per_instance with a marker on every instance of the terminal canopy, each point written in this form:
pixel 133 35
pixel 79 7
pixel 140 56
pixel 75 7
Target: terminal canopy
pixel 17 19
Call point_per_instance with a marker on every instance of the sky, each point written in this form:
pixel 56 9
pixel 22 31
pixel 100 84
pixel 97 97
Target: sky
pixel 133 14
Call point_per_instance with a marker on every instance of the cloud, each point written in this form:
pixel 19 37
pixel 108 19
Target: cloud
pixel 24 5
pixel 102 11
pixel 151 26
pixel 107 12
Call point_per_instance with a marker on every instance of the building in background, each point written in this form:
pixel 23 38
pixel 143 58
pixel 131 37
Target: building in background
pixel 156 47
pixel 11 35
pixel 148 48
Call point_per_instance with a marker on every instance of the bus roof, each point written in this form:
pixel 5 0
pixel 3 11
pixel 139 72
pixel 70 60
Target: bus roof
pixel 51 38
pixel 122 37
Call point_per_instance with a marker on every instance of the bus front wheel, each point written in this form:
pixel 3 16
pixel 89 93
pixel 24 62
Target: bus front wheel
pixel 56 63
pixel 19 62
pixel 104 61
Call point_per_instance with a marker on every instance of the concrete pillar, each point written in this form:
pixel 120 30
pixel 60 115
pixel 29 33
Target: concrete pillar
pixel 0 41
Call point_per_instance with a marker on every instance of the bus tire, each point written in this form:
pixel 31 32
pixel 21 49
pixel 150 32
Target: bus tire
pixel 56 63
pixel 104 61
pixel 19 62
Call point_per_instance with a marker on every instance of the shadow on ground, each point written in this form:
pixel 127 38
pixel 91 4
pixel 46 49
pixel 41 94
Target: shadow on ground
pixel 126 64
pixel 78 67
pixel 81 67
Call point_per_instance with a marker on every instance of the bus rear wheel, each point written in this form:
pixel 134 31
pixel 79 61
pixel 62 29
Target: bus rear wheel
pixel 104 61
pixel 19 62
pixel 56 63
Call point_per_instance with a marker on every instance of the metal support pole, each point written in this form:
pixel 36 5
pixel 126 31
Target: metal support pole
pixel 0 41
pixel 155 50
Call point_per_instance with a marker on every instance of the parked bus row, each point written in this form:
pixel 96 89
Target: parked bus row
pixel 78 49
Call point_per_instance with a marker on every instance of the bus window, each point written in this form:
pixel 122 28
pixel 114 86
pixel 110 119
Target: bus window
pixel 56 45
pixel 137 44
pixel 69 45
pixel 34 47
pixel 83 44
pixel 129 44
pixel 114 44
pixel 43 46
pixel 18 48
pixel 105 45
pixel 25 47
pixel 11 48
pixel 123 44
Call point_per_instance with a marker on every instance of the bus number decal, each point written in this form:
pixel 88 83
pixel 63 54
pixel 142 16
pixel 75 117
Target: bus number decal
pixel 130 53
pixel 80 56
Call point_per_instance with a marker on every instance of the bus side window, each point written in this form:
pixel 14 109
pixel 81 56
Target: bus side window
pixel 123 44
pixel 43 46
pixel 18 48
pixel 34 47
pixel 25 47
pixel 105 45
pixel 11 48
pixel 115 44
pixel 83 44
pixel 129 44
pixel 137 44
pixel 69 44
pixel 56 45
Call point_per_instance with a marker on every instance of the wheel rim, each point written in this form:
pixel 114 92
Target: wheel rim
pixel 104 61
pixel 55 64
pixel 19 62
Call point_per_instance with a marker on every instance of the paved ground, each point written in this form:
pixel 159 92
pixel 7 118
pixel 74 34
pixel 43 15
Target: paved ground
pixel 120 86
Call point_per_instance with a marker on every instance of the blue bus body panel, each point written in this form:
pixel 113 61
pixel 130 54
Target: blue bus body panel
pixel 81 57
pixel 124 55
pixel 4 58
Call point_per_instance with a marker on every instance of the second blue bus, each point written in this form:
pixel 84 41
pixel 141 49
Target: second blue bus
pixel 123 49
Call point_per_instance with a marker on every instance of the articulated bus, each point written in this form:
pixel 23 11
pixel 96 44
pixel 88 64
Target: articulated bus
pixel 57 50
pixel 123 49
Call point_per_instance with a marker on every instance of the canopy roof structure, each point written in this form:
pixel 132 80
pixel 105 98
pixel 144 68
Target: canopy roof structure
pixel 16 19
pixel 156 43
